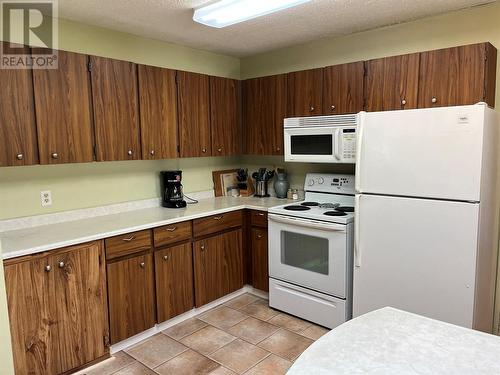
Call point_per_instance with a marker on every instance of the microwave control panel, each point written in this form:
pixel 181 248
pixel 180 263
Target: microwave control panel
pixel 349 145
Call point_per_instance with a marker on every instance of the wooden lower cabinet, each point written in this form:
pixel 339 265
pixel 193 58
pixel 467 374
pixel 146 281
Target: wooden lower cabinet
pixel 58 309
pixel 174 281
pixel 218 266
pixel 260 261
pixel 131 296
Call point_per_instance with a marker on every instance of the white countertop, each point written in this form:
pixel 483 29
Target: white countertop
pixel 390 341
pixel 52 236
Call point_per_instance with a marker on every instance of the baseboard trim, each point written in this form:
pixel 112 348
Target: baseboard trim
pixel 122 345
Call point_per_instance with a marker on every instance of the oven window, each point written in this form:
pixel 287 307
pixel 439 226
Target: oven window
pixel 317 144
pixel 303 251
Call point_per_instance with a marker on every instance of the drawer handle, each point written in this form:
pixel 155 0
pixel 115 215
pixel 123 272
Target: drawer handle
pixel 260 214
pixel 142 264
pixel 173 229
pixel 218 217
pixel 128 239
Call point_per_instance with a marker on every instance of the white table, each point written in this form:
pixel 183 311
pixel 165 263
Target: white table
pixel 390 341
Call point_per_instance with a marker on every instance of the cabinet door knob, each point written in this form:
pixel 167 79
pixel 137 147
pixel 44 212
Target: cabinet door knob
pixel 48 268
pixel 259 236
pixel 165 257
pixel 19 156
pixel 219 149
pixel 61 264
pixel 142 264
pixel 172 229
pixel 278 148
pixel 434 99
pixel 204 150
pixel 403 102
pixel 130 152
pixel 333 107
pixel 311 109
pixel 55 155
pixel 152 152
pixel 202 247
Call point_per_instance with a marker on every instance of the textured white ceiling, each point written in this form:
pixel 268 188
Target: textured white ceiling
pixel 171 20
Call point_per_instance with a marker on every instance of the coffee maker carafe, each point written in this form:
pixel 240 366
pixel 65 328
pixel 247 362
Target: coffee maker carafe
pixel 171 188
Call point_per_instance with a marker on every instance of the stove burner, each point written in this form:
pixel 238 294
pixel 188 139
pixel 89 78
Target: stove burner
pixel 310 204
pixel 297 208
pixel 345 209
pixel 334 213
pixel 329 205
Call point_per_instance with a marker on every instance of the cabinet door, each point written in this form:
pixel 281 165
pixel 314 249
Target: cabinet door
pixel 232 263
pixel 79 297
pixel 264 109
pixel 174 281
pixel 64 110
pixel 392 83
pixel 33 345
pixel 207 267
pixel 194 114
pixel 260 262
pixel 343 88
pixel 305 93
pixel 116 110
pixel 158 107
pixel 131 296
pixel 17 118
pixel 456 76
pixel 225 116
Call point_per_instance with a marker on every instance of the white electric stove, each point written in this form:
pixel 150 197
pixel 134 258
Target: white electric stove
pixel 311 251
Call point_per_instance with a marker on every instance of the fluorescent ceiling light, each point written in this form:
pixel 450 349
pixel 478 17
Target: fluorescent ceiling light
pixel 228 12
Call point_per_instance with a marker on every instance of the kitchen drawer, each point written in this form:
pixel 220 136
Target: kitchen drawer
pixel 258 218
pixel 128 244
pixel 173 233
pixel 217 223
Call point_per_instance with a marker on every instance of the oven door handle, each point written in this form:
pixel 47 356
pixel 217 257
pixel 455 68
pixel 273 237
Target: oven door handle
pixel 307 223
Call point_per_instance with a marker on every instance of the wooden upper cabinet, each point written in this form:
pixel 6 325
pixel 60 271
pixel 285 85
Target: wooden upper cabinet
pixel 131 296
pixel 458 76
pixel 18 138
pixel 225 116
pixel 343 88
pixel 64 110
pixel 158 107
pixel 194 114
pixel 116 109
pixel 264 109
pixel 392 83
pixel 305 93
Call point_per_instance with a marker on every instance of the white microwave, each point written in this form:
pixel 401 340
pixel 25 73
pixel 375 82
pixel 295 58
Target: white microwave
pixel 321 139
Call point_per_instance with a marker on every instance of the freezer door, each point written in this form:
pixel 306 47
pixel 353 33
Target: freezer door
pixel 417 255
pixel 429 153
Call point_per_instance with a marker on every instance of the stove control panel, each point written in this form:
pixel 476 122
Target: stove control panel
pixel 329 183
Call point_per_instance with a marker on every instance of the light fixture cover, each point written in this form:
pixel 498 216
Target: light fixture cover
pixel 228 12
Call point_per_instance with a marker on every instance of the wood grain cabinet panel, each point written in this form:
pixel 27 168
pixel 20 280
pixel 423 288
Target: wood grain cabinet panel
pixel 81 328
pixel 457 76
pixel 116 109
pixel 260 263
pixel 194 114
pixel 217 223
pixel 18 137
pixel 131 296
pixel 264 109
pixel 392 83
pixel 225 116
pixel 158 108
pixel 343 88
pixel 218 266
pixel 127 244
pixel 305 93
pixel 174 281
pixel 170 234
pixel 58 309
pixel 64 110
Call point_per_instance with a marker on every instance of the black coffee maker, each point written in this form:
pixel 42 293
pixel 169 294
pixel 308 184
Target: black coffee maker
pixel 171 189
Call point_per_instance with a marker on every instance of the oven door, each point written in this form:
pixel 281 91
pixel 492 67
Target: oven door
pixel 318 145
pixel 308 253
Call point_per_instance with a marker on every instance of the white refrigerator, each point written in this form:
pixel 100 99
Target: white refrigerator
pixel 427 207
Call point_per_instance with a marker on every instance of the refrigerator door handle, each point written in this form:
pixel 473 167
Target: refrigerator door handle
pixel 357 230
pixel 359 148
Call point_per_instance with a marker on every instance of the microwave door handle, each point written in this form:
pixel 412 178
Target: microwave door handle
pixel 337 141
pixel 307 223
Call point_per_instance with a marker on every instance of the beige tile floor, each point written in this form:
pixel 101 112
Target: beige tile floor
pixel 242 336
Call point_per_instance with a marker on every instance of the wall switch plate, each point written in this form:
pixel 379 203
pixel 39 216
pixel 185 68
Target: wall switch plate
pixel 46 198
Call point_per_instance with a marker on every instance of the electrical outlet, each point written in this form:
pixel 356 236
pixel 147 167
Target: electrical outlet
pixel 46 198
